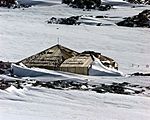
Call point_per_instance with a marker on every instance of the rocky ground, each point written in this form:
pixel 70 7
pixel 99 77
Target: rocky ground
pixel 140 20
pixel 117 88
pixel 76 20
pixel 114 87
pixel 80 20
pixel 87 4
pixel 146 2
pixel 68 21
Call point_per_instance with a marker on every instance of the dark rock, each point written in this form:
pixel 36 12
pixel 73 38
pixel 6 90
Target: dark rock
pixel 7 3
pixel 99 90
pixel 18 84
pixel 125 83
pixel 140 20
pixel 23 6
pixel 99 24
pixel 37 83
pixel 118 88
pixel 133 85
pixel 13 4
pixel 83 4
pixel 4 66
pixel 140 74
pixel 50 85
pixel 138 91
pixel 4 85
pixel 68 21
pixel 148 87
pixel 145 2
pixel 101 16
pixel 2 71
pixel 114 88
pixel 93 85
pixel 87 4
pixel 104 7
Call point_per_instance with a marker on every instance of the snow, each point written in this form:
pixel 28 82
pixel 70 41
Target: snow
pixel 100 70
pixel 41 103
pixel 24 32
pixel 116 2
pixel 33 72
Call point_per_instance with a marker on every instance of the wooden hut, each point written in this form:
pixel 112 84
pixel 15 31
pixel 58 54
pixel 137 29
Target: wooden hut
pixel 64 59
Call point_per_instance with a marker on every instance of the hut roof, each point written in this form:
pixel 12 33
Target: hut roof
pixel 50 58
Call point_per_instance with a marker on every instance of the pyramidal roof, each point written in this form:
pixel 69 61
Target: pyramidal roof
pixel 50 58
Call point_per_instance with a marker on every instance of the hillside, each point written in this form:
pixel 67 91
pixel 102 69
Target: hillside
pixel 25 31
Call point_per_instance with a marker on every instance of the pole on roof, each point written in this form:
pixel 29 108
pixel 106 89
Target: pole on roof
pixel 57 37
pixel 58 40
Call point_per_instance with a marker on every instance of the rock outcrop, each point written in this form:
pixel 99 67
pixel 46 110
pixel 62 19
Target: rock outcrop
pixel 117 88
pixel 87 4
pixel 140 20
pixel 68 21
pixel 7 3
pixel 146 2
pixel 4 66
pixel 77 20
pixel 140 74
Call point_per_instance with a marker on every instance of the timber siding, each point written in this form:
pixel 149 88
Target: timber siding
pixel 64 59
pixel 79 64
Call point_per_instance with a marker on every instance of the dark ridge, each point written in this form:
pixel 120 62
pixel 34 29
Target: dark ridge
pixel 140 20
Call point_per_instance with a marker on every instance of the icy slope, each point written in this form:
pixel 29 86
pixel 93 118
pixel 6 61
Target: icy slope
pixel 44 104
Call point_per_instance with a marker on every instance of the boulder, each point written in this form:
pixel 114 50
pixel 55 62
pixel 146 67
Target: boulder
pixel 4 85
pixel 4 66
pixel 67 21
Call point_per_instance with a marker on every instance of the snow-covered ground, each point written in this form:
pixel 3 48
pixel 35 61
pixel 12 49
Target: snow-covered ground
pixel 48 104
pixel 24 32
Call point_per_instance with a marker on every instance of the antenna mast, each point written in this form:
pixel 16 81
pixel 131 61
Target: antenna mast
pixel 58 40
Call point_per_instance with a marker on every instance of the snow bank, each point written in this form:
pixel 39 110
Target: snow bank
pixel 100 70
pixel 41 103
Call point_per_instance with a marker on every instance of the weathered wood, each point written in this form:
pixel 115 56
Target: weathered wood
pixel 65 59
